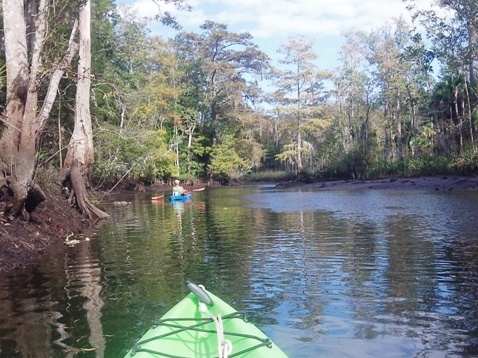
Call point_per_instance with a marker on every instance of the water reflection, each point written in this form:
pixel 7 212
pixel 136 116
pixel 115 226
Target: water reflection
pixel 350 274
pixel 41 304
pixel 376 274
pixel 26 317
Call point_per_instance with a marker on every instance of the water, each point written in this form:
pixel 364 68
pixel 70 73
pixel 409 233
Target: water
pixel 324 274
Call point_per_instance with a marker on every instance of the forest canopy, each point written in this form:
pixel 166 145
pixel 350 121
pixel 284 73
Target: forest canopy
pixel 213 106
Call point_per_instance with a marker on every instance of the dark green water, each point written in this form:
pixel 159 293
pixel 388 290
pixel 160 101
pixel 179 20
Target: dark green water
pixel 324 274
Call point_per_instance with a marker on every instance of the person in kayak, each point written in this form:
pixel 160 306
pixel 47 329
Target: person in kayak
pixel 178 189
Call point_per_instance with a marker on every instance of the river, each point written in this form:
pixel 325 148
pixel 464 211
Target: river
pixel 372 273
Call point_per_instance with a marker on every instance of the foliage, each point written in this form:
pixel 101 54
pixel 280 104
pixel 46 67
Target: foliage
pixel 466 164
pixel 221 71
pixel 196 158
pixel 270 176
pixel 411 167
pixel 426 165
pixel 228 164
pixel 351 165
pixel 298 99
pixel 132 156
pixel 192 106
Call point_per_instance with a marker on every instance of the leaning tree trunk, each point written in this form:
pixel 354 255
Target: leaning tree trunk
pixel 80 156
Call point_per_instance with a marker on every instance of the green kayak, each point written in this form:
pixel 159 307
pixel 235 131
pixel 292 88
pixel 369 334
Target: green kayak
pixel 202 325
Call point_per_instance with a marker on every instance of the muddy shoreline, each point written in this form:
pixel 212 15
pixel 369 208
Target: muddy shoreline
pixel 436 183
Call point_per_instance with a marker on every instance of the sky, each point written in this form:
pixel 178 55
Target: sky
pixel 272 22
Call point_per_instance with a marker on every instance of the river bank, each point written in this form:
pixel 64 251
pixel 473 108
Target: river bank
pixel 446 182
pixel 55 222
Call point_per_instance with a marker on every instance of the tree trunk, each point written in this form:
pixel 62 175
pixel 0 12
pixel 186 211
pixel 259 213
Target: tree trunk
pixel 18 142
pixel 55 80
pixel 19 139
pixel 470 116
pixel 79 194
pixel 458 125
pixel 300 166
pixel 399 135
pixel 80 156
pixel 81 141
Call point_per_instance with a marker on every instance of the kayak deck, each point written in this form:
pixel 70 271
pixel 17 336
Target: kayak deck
pixel 180 197
pixel 185 332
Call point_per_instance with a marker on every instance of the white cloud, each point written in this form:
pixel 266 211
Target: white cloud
pixel 271 22
pixel 272 18
pixel 266 18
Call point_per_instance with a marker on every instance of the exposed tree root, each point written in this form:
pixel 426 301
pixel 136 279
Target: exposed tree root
pixel 79 194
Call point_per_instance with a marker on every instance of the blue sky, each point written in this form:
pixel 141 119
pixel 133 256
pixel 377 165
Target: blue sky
pixel 272 22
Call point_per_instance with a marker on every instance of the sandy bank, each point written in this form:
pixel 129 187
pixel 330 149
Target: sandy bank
pixel 450 182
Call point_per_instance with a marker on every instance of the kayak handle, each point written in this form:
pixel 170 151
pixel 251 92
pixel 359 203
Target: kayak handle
pixel 200 293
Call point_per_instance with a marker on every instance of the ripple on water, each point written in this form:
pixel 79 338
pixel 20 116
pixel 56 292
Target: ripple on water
pixel 362 274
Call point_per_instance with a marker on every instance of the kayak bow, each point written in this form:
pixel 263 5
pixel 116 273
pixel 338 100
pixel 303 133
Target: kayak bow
pixel 203 326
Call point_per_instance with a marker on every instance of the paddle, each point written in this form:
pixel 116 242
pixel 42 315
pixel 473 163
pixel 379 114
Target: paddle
pixel 186 192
